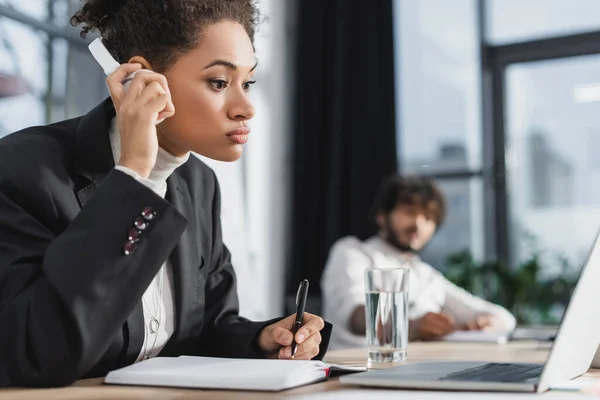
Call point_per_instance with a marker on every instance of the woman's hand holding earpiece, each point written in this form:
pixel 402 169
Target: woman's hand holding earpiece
pixel 147 100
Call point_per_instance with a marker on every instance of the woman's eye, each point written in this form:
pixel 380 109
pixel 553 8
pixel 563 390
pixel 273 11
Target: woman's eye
pixel 247 85
pixel 218 84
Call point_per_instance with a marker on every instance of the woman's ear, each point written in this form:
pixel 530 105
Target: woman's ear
pixel 141 60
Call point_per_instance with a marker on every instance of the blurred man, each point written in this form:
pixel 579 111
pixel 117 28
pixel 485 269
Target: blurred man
pixel 407 211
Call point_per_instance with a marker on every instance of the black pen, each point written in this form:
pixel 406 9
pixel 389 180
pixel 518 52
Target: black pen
pixel 300 306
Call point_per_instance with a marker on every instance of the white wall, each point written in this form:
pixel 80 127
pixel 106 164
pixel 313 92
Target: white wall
pixel 255 189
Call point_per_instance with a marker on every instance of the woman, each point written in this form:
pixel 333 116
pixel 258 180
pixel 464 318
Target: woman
pixel 110 239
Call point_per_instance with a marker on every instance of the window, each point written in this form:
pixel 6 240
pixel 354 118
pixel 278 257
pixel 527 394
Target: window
pixel 544 96
pixel 552 141
pixel 439 114
pixel 23 76
pixel 512 21
pixel 532 199
pixel 43 78
pixel 37 9
pixel 438 86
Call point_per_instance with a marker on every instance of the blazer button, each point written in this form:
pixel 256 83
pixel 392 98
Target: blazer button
pixel 134 235
pixel 129 248
pixel 148 213
pixel 141 223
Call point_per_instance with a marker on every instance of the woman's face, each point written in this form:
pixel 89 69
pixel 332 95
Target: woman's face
pixel 209 88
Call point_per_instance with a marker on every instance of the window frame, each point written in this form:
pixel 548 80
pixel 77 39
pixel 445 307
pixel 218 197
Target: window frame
pixel 53 32
pixel 50 29
pixel 495 59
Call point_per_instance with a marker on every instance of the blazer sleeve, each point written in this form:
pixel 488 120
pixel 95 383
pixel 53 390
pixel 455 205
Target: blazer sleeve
pixel 64 295
pixel 228 334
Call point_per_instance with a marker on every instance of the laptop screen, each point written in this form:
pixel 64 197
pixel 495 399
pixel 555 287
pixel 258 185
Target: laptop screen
pixel 578 334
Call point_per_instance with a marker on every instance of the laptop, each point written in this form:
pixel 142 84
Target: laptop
pixel 539 333
pixel 596 360
pixel 572 351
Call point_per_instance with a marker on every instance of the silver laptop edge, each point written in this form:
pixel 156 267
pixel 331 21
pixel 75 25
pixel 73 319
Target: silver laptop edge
pixel 596 360
pixel 444 385
pixel 573 349
pixel 578 335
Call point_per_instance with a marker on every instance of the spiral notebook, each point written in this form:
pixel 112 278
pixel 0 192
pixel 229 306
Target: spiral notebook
pixel 224 373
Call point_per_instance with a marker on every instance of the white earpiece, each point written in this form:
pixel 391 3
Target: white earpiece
pixel 110 65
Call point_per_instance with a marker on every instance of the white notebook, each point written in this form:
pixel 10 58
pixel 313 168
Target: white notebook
pixel 223 373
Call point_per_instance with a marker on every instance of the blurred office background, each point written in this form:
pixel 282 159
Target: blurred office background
pixel 496 100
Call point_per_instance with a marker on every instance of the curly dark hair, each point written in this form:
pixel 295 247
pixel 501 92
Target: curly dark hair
pixel 410 190
pixel 159 30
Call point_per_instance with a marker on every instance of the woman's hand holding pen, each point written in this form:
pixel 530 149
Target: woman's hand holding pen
pixel 147 100
pixel 276 339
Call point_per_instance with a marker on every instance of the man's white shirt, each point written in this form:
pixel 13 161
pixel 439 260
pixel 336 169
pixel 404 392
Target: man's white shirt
pixel 343 289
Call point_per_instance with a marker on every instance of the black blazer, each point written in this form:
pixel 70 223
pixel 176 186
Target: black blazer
pixel 70 298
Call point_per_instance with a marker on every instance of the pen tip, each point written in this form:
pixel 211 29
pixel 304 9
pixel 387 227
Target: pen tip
pixel 293 357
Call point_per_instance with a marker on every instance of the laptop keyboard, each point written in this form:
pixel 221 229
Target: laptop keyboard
pixel 492 372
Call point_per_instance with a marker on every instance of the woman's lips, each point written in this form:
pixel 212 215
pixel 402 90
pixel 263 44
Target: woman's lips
pixel 239 136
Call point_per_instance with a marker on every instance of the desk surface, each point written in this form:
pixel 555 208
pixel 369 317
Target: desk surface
pixel 93 389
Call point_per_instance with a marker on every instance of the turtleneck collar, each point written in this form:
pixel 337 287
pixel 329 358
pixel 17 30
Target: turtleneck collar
pixel 166 163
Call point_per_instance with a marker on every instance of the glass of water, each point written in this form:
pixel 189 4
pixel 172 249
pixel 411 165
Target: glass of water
pixel 386 314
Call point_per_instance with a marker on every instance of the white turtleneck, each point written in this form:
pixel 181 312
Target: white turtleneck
pixel 158 299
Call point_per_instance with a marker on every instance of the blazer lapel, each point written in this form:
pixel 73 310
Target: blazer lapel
pixel 93 155
pixel 186 261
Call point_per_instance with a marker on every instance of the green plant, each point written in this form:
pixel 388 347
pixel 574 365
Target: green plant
pixel 531 295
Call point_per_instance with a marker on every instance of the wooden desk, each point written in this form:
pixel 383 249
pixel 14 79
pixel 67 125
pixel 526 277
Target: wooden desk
pixel 93 389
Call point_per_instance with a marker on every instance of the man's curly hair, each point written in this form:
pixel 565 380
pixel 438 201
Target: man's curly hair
pixel 159 30
pixel 410 190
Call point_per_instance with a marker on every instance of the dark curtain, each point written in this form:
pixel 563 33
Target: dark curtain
pixel 344 126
